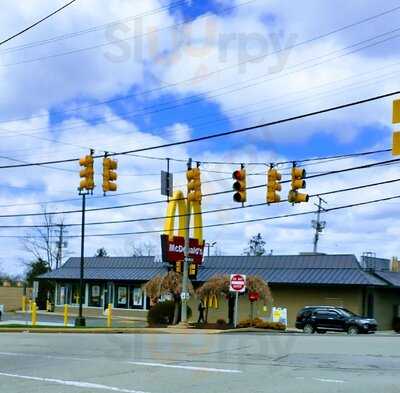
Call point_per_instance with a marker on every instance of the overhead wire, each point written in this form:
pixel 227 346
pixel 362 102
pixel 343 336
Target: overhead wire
pixel 220 134
pixel 219 210
pixel 289 215
pixel 263 185
pixel 36 23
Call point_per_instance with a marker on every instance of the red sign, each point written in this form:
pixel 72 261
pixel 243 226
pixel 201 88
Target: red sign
pixel 173 250
pixel 237 283
pixel 254 296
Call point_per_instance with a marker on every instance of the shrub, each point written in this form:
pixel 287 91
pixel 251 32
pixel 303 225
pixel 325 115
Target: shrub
pixel 163 313
pixel 221 322
pixel 259 323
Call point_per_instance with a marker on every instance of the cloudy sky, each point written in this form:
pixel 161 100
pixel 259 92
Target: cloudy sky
pixel 125 74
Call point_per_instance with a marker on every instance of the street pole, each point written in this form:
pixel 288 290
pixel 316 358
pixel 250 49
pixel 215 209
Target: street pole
pixel 317 224
pixel 80 321
pixel 235 315
pixel 185 276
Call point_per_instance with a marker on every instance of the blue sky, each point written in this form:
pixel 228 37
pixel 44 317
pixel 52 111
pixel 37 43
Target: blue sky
pixel 168 71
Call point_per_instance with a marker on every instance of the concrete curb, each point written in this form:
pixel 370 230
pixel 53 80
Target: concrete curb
pixel 108 330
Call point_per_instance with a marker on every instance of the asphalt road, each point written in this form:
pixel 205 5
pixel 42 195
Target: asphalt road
pixel 198 363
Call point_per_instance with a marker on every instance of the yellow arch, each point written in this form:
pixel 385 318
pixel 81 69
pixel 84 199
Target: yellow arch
pixel 195 207
pixel 169 225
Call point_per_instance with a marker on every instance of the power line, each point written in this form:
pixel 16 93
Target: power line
pixel 220 134
pixel 366 166
pixel 358 204
pixel 183 101
pixel 97 46
pixel 91 29
pixel 36 23
pixel 125 221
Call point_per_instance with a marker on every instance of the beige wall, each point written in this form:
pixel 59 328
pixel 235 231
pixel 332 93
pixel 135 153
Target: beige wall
pixel 11 298
pixel 292 298
pixel 384 302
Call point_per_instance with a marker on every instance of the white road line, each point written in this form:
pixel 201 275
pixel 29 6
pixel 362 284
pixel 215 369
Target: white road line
pixel 78 384
pixel 329 380
pixel 194 368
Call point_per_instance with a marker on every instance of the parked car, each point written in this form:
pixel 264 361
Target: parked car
pixel 321 319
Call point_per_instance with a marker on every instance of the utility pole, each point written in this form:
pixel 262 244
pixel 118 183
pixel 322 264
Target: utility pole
pixel 185 276
pixel 317 224
pixel 60 245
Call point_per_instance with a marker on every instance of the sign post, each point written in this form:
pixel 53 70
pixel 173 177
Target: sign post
pixel 237 284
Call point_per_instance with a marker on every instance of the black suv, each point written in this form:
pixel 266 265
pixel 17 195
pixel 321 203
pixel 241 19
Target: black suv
pixel 320 319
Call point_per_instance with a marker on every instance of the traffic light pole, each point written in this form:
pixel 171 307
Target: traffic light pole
pixel 185 275
pixel 80 321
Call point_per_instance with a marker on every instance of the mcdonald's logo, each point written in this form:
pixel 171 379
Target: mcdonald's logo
pixel 173 240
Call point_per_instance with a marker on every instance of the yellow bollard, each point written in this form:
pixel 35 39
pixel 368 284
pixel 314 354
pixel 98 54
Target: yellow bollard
pixel 109 315
pixel 33 314
pixel 23 303
pixel 65 314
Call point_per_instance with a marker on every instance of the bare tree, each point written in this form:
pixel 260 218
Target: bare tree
pixel 44 240
pixel 141 249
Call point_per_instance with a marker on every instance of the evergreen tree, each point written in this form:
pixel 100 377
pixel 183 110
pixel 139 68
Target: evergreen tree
pixel 256 246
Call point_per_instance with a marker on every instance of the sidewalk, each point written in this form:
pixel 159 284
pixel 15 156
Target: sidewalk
pixel 74 314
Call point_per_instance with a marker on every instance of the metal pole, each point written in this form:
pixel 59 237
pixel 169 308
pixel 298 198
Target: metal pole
pixel 185 277
pixel 235 317
pixel 80 321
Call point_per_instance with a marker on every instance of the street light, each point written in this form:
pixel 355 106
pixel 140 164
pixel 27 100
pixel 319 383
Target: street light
pixel 208 245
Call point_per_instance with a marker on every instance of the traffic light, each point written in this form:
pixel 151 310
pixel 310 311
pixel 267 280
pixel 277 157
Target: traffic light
pixel 274 186
pixel 239 185
pixel 396 134
pixel 87 183
pixel 298 182
pixel 193 185
pixel 109 174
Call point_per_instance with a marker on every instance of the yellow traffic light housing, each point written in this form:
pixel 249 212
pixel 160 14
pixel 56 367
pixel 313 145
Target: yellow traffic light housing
pixel 87 174
pixel 109 174
pixel 239 185
pixel 273 186
pixel 396 134
pixel 193 185
pixel 298 182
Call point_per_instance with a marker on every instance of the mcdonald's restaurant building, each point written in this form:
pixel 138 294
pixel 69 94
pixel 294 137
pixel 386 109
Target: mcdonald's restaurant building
pixel 370 287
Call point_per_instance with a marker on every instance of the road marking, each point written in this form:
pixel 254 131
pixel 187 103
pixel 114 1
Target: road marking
pixel 78 384
pixel 329 380
pixel 194 368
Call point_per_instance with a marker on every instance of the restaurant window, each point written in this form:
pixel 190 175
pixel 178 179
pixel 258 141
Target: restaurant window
pixel 75 294
pixel 121 296
pixel 95 294
pixel 136 297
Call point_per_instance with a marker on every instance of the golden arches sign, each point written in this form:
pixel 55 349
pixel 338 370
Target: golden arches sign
pixel 178 200
pixel 173 239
